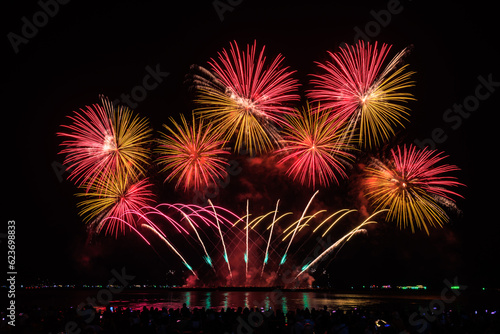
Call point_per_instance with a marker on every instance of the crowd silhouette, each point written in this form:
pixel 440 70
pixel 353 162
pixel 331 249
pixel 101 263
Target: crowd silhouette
pixel 249 320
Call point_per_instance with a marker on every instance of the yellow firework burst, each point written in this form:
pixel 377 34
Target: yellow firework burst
pixel 412 186
pixel 112 200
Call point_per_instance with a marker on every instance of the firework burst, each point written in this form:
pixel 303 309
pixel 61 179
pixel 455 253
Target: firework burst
pixel 368 98
pixel 313 142
pixel 103 139
pixel 245 99
pixel 193 154
pixel 111 199
pixel 411 186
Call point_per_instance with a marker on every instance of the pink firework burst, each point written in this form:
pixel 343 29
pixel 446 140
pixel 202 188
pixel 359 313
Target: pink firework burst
pixel 111 201
pixel 265 91
pixel 105 139
pixel 421 168
pixel 362 92
pixel 412 186
pixel 246 98
pixel 314 145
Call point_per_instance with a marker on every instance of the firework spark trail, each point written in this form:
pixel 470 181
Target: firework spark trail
pixel 257 220
pixel 328 251
pixel 246 254
pixel 283 259
pixel 341 242
pixel 279 218
pixel 131 227
pixel 207 257
pixel 328 218
pixel 223 219
pixel 269 240
pixel 196 210
pixel 337 220
pixel 175 224
pixel 303 224
pixel 290 227
pixel 222 240
pixel 184 262
pixel 368 221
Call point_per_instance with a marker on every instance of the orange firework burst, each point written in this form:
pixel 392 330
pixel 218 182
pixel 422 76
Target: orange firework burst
pixel 193 154
pixel 314 144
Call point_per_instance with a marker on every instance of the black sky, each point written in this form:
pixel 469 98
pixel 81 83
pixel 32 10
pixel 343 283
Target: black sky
pixel 88 48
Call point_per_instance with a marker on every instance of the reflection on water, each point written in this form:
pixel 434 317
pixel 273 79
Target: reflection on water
pixel 208 300
pixel 226 299
pixel 284 304
pixel 215 299
pixel 285 301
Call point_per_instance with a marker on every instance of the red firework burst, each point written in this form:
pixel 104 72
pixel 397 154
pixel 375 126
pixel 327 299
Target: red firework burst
pixel 103 140
pixel 314 144
pixel 263 90
pixel 193 154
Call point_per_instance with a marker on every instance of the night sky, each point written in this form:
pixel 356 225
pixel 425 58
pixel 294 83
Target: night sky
pixel 88 48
